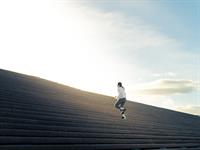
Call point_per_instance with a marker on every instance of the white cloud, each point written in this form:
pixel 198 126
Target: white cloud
pixel 154 100
pixel 123 35
pixel 172 74
pixel 132 33
pixel 156 75
pixel 167 87
pixel 189 109
pixel 166 74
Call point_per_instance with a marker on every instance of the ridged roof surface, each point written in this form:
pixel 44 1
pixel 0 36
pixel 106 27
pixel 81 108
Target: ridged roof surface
pixel 39 114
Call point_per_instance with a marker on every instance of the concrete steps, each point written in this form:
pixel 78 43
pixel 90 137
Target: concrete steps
pixel 39 114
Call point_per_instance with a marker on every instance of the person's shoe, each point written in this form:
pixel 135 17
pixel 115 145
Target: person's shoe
pixel 123 116
pixel 123 111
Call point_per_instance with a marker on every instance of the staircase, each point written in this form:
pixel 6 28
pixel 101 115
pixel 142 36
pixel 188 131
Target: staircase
pixel 40 114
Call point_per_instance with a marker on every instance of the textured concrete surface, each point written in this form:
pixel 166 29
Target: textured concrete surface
pixel 39 114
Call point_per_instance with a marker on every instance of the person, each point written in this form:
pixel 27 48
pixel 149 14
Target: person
pixel 121 99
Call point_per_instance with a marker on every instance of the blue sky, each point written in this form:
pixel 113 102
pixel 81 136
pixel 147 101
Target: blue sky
pixel 178 19
pixel 150 46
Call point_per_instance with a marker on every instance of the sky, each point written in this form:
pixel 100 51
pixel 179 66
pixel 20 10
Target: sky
pixel 151 46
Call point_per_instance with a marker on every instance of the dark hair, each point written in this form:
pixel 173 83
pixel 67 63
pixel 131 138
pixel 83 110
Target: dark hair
pixel 120 84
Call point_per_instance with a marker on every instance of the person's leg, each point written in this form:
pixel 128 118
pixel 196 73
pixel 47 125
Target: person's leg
pixel 122 109
pixel 118 104
pixel 122 103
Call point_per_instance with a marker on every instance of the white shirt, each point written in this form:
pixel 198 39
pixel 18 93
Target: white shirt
pixel 121 93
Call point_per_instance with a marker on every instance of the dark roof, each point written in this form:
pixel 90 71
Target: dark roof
pixel 40 114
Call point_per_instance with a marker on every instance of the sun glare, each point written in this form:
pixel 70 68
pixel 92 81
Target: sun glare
pixel 56 41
